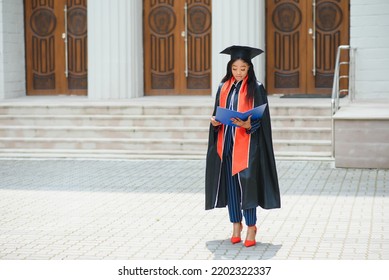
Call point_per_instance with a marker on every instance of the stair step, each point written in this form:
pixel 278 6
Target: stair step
pixel 137 154
pixel 127 109
pixel 103 143
pixel 104 132
pixel 149 132
pixel 117 109
pixel 302 146
pixel 115 154
pixel 301 121
pixel 146 144
pixel 148 128
pixel 106 120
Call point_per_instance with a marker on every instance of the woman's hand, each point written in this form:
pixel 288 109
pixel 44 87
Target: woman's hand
pixel 214 122
pixel 240 123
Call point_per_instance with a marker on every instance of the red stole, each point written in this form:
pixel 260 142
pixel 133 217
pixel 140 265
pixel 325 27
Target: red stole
pixel 240 153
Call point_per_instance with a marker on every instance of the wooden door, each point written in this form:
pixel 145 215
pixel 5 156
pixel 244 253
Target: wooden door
pixel 298 61
pixel 172 65
pixel 53 67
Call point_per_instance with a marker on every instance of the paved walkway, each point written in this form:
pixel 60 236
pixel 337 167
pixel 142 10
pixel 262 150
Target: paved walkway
pixel 75 209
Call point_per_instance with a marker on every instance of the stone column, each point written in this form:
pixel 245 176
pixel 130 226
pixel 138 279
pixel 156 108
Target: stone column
pixel 237 23
pixel 115 49
pixel 12 56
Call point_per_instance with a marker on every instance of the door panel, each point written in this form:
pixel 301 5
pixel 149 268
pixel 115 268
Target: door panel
pixel 171 67
pixel 199 47
pixel 286 49
pixel 46 56
pixel 77 47
pixel 291 67
pixel 331 31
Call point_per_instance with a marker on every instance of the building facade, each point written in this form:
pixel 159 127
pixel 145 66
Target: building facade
pixel 124 49
pixel 120 50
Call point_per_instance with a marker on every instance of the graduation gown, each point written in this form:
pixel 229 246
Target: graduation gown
pixel 259 182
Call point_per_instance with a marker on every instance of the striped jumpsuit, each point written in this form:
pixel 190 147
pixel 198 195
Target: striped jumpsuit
pixel 233 185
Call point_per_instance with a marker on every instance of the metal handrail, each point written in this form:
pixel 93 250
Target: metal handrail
pixel 335 96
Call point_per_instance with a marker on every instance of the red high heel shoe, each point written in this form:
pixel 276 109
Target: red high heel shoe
pixel 237 239
pixel 249 243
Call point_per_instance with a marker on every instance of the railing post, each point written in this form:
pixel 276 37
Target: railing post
pixel 336 92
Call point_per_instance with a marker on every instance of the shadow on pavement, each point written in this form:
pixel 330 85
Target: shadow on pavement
pixel 179 176
pixel 224 250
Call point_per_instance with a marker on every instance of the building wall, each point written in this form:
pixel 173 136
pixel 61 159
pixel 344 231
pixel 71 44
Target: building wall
pixel 236 23
pixel 12 57
pixel 115 49
pixel 1 53
pixel 369 25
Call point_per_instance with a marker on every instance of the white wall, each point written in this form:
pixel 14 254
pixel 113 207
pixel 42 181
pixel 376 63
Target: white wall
pixel 1 53
pixel 12 54
pixel 115 49
pixel 369 33
pixel 237 23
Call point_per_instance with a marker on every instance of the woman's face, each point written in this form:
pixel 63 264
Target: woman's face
pixel 239 69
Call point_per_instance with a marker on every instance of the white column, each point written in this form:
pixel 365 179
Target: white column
pixel 12 57
pixel 1 53
pixel 237 23
pixel 115 49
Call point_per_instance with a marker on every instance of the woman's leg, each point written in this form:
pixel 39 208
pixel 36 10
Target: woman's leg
pixel 233 204
pixel 233 196
pixel 250 216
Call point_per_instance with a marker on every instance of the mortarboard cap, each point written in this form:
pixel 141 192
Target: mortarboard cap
pixel 244 52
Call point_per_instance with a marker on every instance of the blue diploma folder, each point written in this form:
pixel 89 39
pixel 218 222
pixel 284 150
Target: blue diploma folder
pixel 224 115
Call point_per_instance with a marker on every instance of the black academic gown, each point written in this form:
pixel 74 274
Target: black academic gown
pixel 259 181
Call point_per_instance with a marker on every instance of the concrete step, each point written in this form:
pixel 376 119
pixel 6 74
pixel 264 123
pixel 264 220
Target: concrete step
pixel 100 153
pixel 117 109
pixel 300 110
pixel 301 133
pixel 298 146
pixel 149 120
pixel 180 132
pixel 106 120
pixel 147 144
pixel 167 127
pixel 82 132
pixel 301 121
pixel 150 109
pixel 292 155
pixel 103 143
pixel 136 154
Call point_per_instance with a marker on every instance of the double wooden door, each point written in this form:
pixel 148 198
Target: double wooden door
pixel 177 47
pixel 302 40
pixel 56 47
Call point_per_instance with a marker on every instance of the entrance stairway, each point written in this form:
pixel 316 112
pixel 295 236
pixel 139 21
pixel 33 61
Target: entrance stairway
pixel 148 127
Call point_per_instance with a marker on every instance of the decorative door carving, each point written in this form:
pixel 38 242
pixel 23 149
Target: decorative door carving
pixel 177 44
pixel 302 41
pixel 54 67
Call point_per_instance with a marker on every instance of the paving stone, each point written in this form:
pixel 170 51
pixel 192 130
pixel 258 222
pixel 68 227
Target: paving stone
pixel 154 209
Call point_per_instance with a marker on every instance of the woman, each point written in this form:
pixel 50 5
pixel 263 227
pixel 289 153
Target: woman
pixel 240 168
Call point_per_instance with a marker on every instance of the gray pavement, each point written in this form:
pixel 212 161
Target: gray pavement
pixel 154 209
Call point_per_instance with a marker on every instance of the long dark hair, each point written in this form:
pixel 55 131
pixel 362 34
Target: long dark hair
pixel 251 78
